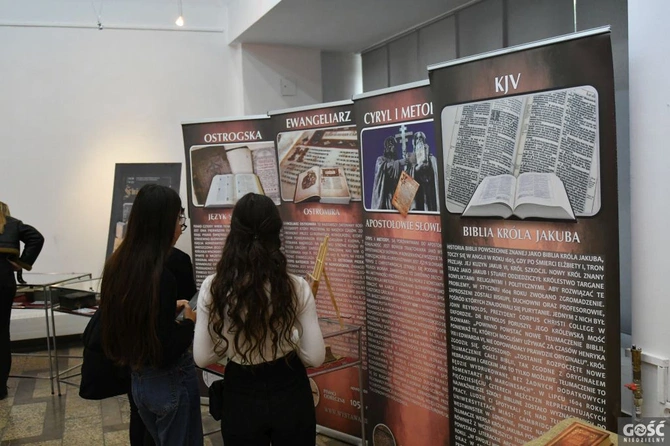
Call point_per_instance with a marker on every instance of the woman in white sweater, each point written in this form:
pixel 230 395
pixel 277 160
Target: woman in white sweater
pixel 263 319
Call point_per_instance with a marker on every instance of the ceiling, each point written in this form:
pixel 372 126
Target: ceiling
pixel 330 25
pixel 159 14
pixel 342 25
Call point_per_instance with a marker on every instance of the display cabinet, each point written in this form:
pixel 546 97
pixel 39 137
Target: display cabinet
pixel 38 294
pixel 78 298
pixel 343 350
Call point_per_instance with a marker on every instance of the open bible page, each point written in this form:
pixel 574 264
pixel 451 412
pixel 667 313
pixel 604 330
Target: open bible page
pixel 534 188
pixel 501 137
pixel 240 159
pixel 334 185
pixel 542 195
pixel 265 166
pixel 221 192
pixel 246 183
pixel 560 135
pixel 499 189
pixel 494 197
pixel 308 185
pixel 481 140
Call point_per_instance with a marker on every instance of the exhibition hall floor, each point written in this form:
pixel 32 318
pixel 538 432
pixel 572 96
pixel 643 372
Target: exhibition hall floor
pixel 30 415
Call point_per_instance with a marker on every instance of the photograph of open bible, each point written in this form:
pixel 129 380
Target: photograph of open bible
pixel 222 174
pixel 300 150
pixel 226 189
pixel 548 132
pixel 323 184
pixel 540 195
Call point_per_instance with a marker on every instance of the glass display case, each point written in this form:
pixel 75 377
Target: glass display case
pixel 38 294
pixel 78 298
pixel 343 350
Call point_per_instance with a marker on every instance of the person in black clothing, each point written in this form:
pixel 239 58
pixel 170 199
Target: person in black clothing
pixel 180 265
pixel 138 304
pixel 263 319
pixel 12 233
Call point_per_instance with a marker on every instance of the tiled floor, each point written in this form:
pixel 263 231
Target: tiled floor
pixel 32 416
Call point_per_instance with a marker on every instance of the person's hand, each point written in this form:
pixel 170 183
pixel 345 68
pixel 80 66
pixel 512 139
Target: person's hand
pixel 411 158
pixel 15 266
pixel 189 314
pixel 183 304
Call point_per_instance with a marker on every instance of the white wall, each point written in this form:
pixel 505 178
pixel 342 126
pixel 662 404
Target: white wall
pixel 648 45
pixel 77 101
pixel 245 13
pixel 263 68
pixel 341 75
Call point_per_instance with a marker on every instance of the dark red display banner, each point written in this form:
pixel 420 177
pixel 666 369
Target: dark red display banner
pixel 224 160
pixel 320 189
pixel 405 306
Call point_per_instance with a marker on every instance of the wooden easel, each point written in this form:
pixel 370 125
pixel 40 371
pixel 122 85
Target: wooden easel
pixel 319 269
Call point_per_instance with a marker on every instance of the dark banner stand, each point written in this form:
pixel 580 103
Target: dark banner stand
pixel 533 303
pixel 128 180
pixel 404 296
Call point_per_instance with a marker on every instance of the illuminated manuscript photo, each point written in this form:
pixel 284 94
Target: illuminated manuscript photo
pixel 320 165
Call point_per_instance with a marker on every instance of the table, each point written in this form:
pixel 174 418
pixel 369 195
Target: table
pixel 45 282
pixel 91 285
pixel 350 349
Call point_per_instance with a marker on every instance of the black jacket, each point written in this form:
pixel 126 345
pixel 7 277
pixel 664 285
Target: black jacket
pixel 175 337
pixel 100 378
pixel 179 264
pixel 15 232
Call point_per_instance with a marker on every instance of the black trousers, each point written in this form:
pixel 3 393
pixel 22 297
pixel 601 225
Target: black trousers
pixel 269 403
pixel 7 292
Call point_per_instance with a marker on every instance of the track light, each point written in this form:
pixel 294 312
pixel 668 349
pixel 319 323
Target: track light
pixel 180 19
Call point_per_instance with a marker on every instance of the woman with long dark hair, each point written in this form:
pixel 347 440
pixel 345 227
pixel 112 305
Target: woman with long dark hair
pixel 13 232
pixel 138 304
pixel 263 319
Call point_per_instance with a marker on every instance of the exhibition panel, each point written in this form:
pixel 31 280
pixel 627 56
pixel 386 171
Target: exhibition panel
pixel 533 313
pixel 128 180
pixel 319 170
pixel 404 298
pixel 468 225
pixel 224 160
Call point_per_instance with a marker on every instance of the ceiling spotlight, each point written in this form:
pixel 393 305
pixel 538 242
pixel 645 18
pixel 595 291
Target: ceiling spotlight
pixel 180 19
